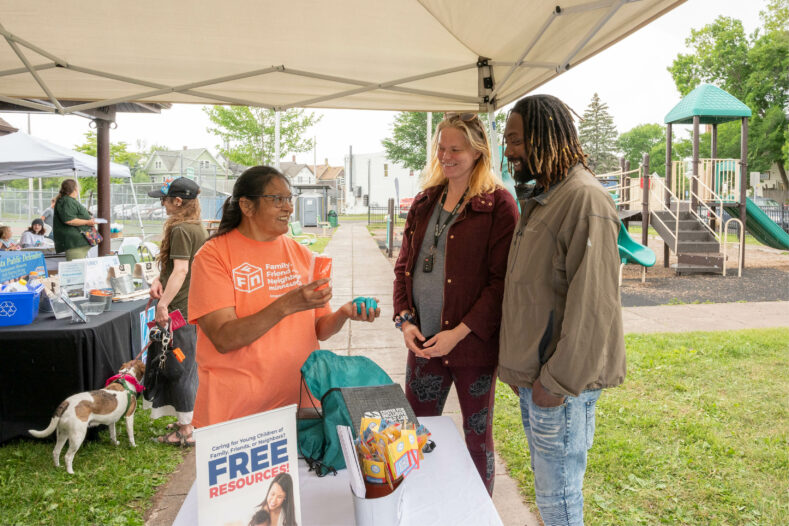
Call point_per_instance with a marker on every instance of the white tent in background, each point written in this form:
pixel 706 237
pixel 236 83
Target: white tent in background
pixel 23 156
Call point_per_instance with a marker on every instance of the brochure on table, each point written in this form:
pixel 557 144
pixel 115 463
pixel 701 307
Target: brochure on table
pixel 80 276
pixel 237 461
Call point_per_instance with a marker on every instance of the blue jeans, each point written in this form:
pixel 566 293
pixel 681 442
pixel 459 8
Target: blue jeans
pixel 559 438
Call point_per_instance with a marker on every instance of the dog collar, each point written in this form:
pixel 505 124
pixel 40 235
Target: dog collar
pixel 126 380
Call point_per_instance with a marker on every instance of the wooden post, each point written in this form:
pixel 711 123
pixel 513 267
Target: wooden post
pixel 626 192
pixel 103 182
pixel 645 200
pixel 621 182
pixel 390 227
pixel 694 187
pixel 743 179
pixel 667 181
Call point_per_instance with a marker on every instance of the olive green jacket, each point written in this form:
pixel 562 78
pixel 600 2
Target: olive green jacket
pixel 67 236
pixel 562 316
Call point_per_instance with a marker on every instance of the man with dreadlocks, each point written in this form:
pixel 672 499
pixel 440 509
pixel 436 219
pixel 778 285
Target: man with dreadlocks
pixel 561 333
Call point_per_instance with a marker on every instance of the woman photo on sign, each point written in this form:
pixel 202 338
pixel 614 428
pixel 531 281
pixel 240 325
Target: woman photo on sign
pixel 279 501
pixel 449 281
pixel 69 221
pixel 259 311
pixel 182 238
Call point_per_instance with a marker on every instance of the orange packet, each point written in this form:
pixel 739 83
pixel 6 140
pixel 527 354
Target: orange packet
pixel 179 354
pixel 322 268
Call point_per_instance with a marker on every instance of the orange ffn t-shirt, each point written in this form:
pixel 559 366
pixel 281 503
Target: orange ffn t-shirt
pixel 235 271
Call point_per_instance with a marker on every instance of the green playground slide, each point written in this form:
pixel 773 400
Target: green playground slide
pixel 760 226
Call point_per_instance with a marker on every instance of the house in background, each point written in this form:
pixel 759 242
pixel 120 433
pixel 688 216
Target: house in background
pixel 311 183
pixel 373 178
pixel 195 163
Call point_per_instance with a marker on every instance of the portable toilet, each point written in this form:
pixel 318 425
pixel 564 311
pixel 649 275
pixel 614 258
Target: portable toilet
pixel 309 209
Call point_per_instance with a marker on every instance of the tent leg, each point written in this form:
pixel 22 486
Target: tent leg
pixel 494 142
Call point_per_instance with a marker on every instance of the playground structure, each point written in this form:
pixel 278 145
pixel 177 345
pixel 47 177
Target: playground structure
pixel 687 207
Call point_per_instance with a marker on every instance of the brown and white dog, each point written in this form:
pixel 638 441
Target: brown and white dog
pixel 78 412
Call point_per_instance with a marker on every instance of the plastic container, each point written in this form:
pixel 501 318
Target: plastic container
pixel 101 296
pixel 60 309
pixel 18 308
pixel 92 308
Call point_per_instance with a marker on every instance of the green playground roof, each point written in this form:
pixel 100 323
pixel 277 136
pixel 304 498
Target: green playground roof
pixel 711 104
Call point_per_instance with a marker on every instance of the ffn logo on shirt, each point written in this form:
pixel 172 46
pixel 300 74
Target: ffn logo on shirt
pixel 247 278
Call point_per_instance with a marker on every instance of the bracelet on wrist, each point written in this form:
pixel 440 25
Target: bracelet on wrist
pixel 402 318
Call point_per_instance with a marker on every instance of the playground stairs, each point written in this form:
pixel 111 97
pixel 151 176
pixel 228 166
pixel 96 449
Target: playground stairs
pixel 697 249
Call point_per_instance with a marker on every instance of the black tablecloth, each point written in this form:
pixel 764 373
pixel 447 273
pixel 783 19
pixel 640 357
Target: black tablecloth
pixel 49 360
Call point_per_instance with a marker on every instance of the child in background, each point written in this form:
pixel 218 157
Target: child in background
pixel 34 235
pixel 6 243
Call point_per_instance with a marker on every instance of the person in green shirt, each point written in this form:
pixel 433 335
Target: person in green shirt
pixel 183 236
pixel 69 220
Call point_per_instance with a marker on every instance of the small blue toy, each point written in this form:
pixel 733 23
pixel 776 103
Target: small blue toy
pixel 367 303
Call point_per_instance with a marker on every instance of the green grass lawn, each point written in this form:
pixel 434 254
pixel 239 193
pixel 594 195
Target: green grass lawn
pixel 698 433
pixel 111 485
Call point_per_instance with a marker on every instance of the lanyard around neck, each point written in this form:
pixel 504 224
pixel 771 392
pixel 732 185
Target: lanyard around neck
pixel 439 229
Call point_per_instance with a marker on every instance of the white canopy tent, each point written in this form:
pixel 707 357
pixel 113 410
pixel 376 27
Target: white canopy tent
pixel 422 55
pixel 23 156
pixel 80 57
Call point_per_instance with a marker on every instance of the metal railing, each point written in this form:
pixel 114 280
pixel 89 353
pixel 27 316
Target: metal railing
pixel 711 197
pixel 721 176
pixel 739 245
pixel 626 190
pixel 659 190
pixel 377 215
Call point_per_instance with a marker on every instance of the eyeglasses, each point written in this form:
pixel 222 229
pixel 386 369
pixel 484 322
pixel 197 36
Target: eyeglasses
pixel 465 117
pixel 278 200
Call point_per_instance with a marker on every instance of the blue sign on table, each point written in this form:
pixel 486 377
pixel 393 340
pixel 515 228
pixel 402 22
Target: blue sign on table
pixel 19 263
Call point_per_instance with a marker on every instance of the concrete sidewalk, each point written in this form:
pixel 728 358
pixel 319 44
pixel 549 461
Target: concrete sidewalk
pixel 360 269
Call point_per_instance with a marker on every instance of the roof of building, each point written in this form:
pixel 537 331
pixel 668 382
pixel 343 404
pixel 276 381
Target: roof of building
pixel 711 104
pixel 329 173
pixel 170 157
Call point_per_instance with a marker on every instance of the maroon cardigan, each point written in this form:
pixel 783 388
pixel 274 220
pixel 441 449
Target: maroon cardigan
pixel 478 243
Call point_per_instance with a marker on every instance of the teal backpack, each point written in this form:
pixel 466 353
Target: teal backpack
pixel 324 373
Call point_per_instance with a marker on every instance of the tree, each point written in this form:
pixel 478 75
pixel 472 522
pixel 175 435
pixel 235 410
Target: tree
pixel 248 133
pixel 753 69
pixel 597 134
pixel 408 141
pixel 644 138
pixel 119 153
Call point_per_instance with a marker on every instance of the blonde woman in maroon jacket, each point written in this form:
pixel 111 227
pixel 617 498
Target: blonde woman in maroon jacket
pixel 449 281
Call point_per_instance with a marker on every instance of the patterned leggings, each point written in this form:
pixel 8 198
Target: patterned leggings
pixel 427 386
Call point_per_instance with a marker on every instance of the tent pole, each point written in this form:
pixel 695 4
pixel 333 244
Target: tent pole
pixel 277 125
pixel 103 182
pixel 494 141
pixel 429 135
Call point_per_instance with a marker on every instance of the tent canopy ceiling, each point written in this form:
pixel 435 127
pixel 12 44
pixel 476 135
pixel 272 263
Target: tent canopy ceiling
pixel 421 55
pixel 23 156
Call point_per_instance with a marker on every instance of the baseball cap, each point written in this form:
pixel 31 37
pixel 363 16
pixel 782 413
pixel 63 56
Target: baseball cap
pixel 180 187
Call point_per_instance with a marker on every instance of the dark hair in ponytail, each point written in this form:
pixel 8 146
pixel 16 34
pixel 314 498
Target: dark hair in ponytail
pixel 67 187
pixel 252 182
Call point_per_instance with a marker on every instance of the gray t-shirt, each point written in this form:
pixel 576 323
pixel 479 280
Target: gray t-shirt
pixel 429 286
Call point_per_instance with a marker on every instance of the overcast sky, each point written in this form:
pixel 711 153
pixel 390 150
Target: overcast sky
pixel 631 77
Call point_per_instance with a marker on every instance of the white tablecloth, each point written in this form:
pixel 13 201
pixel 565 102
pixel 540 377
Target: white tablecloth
pixel 446 489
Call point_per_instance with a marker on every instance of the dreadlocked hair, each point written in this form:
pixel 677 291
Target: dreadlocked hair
pixel 552 146
pixel 188 212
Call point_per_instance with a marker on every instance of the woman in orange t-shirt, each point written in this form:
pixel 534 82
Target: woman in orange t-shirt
pixel 258 315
